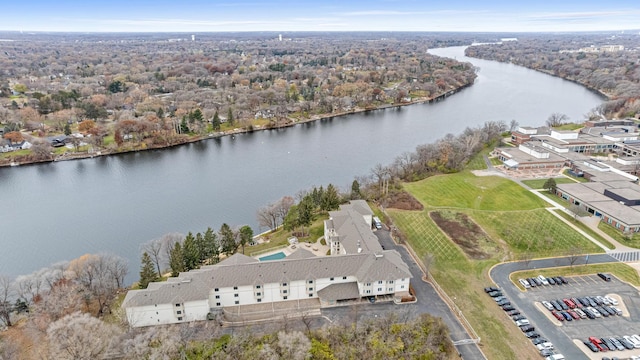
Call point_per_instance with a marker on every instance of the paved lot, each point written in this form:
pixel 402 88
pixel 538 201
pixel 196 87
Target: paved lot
pixel 563 336
pixel 592 285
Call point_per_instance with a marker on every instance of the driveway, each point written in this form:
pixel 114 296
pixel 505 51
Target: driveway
pixel 430 302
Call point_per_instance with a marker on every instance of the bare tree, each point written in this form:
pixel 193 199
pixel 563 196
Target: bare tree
pixel 6 293
pixel 294 345
pixel 556 119
pixel 574 254
pixel 81 336
pixel 153 343
pixel 155 247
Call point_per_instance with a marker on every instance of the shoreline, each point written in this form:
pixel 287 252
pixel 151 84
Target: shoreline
pixel 243 130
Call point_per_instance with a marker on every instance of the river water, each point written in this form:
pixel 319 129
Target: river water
pixel 59 211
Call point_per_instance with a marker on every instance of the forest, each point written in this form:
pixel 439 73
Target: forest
pixel 605 62
pixel 73 95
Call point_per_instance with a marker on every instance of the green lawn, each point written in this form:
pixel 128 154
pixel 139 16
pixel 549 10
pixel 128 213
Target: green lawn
pixel 579 179
pixel 465 190
pixel 539 183
pixel 633 241
pixel 280 237
pixel 517 224
pixel 586 229
pixel 569 126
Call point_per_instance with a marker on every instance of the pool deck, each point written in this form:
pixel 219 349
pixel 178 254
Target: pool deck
pixel 315 248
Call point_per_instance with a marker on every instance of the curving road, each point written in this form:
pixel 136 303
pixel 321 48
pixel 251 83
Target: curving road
pixel 500 275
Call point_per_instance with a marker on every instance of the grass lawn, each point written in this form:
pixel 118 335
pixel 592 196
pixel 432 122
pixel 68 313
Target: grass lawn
pixel 539 183
pixel 586 229
pixel 579 179
pixel 633 241
pixel 569 126
pixel 622 271
pixel 465 190
pixel 515 221
pixel 279 238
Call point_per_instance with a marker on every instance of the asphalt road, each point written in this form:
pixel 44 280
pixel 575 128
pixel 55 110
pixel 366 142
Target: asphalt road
pixel 429 301
pixel 523 302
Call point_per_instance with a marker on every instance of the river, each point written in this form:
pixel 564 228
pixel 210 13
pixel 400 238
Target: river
pixel 59 211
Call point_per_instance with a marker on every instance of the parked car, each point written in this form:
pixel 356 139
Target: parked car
pixel 581 313
pixel 576 302
pixel 527 328
pixel 557 315
pixel 605 277
pixel 606 342
pixel 524 283
pixel 518 317
pixel 632 340
pixel 508 307
pixel 610 310
pixel 547 305
pixel 538 340
pixel 544 345
pixel 563 305
pixel 532 334
pixel 617 310
pixel 496 293
pixel 551 281
pixel 532 282
pixel 522 322
pixel 591 346
pixel 569 303
pixel 546 352
pixel 504 302
pixel 597 342
pixel 589 313
pixel 602 311
pixel 595 312
pixel 617 343
pixel 543 280
pixel 574 314
pixel 611 300
pixel 537 281
pixel 566 316
pixel 627 344
pixel 490 289
pixel 513 312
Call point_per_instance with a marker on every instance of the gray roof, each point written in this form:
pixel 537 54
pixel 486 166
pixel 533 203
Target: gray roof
pixel 626 214
pixel 340 291
pixel 354 232
pixel 195 285
pixel 301 253
pixel 583 192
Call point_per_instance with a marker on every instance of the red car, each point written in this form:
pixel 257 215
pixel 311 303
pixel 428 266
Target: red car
pixel 569 303
pixel 558 315
pixel 574 315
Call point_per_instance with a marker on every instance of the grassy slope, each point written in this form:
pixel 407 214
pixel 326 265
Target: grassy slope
pixel 517 222
pixel 539 183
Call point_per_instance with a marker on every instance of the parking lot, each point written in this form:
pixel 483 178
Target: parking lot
pixel 578 330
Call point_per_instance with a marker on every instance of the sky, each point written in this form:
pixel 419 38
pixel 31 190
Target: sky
pixel 323 15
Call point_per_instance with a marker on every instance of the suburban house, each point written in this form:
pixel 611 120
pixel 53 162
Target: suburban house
pixel 242 288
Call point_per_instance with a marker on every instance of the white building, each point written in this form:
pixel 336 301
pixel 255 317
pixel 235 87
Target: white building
pixel 241 281
pixel 242 288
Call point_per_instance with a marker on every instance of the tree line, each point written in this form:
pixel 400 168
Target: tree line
pixel 577 57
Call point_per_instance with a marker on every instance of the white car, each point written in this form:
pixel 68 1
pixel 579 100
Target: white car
pixel 524 283
pixel 633 341
pixel 543 280
pixel 545 345
pixel 522 322
pixel 580 313
pixel 547 305
pixel 611 300
pixel 595 312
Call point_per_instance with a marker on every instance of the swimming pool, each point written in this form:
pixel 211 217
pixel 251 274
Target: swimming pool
pixel 276 256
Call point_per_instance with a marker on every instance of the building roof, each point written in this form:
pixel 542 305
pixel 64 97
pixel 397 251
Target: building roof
pixel 582 192
pixel 626 214
pixel 301 253
pixel 195 285
pixel 340 291
pixel 353 231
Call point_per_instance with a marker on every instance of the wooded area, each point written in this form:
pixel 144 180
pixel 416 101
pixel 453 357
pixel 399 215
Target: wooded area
pixel 607 63
pixel 120 92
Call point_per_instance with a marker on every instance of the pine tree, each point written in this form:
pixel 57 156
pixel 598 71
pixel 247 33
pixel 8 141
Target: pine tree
pixel 147 272
pixel 330 199
pixel 190 253
pixel 230 117
pixel 212 245
pixel 215 123
pixel 227 240
pixel 67 129
pixel 355 190
pixel 246 236
pixel 176 260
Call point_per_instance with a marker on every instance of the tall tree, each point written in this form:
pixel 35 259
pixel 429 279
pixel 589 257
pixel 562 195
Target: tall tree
pixel 212 246
pixel 6 292
pixel 190 253
pixel 215 123
pixel 355 190
pixel 330 199
pixel 305 212
pixel 230 116
pixel 550 185
pixel 246 236
pixel 147 271
pixel 227 240
pixel 176 261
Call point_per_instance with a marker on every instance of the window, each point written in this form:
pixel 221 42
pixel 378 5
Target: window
pixel 331 279
pixel 310 295
pixel 216 289
pixel 284 291
pixel 310 281
pixel 368 284
pixel 235 288
pixel 217 296
pixel 390 281
pixel 344 278
pixel 284 297
pixel 235 295
pixel 156 313
pixel 368 291
pixel 177 305
pixel 390 289
pixel 402 287
pixel 217 304
pixel 237 302
pixel 380 282
pixel 258 294
pixel 310 289
pixel 258 286
pixel 180 318
pixel 259 300
pixel 179 312
pixel 156 305
pixel 379 289
pixel 284 284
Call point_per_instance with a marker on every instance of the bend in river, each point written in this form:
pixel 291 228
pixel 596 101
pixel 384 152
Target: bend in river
pixel 59 211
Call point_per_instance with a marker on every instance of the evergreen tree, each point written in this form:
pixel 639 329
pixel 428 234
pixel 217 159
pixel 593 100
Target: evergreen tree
pixel 67 129
pixel 291 219
pixel 197 115
pixel 184 127
pixel 305 212
pixel 212 245
pixel 330 199
pixel 227 240
pixel 355 190
pixel 230 116
pixel 190 253
pixel 215 123
pixel 550 185
pixel 176 261
pixel 202 248
pixel 147 271
pixel 246 236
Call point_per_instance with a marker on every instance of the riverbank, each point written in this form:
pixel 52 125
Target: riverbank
pixel 247 129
